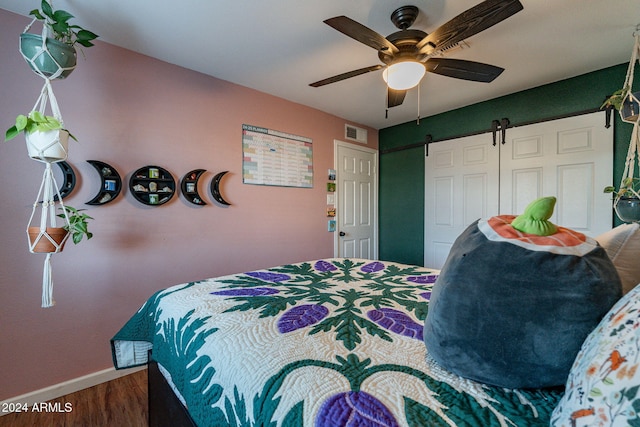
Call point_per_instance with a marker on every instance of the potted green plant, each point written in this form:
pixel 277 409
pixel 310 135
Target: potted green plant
pixel 53 54
pixel 46 139
pixel 78 223
pixel 615 100
pixel 53 239
pixel 626 103
pixel 627 199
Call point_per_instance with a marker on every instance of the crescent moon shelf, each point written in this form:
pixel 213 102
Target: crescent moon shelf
pixel 110 181
pixel 69 180
pixel 189 187
pixel 215 188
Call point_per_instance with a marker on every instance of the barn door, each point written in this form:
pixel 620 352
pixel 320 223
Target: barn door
pixel 570 158
pixel 468 178
pixel 461 185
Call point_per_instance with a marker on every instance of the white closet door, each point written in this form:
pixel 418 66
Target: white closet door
pixel 468 178
pixel 461 185
pixel 571 159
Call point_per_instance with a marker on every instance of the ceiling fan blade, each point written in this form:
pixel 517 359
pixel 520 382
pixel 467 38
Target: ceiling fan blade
pixel 346 75
pixel 461 69
pixel 363 34
pixel 395 97
pixel 468 23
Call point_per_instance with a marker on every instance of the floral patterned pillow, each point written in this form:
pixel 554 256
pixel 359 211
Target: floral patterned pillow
pixel 604 382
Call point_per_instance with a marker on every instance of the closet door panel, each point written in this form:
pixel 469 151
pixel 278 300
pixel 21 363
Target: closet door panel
pixel 575 157
pixel 475 203
pixel 461 186
pixel 469 178
pixel 575 196
pixel 444 200
pixel 526 185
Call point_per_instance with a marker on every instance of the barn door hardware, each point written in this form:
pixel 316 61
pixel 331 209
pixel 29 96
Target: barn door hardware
pixel 428 139
pixel 501 126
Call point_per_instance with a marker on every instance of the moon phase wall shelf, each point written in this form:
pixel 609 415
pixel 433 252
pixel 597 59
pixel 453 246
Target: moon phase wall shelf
pixel 163 184
pixel 189 186
pixel 152 185
pixel 110 181
pixel 215 188
pixel 69 180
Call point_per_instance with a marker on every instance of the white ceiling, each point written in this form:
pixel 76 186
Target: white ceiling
pixel 280 46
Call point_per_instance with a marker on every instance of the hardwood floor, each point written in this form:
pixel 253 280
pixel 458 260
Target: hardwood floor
pixel 118 403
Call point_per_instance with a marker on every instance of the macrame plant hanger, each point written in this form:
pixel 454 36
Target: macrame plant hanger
pixel 45 231
pixel 43 54
pixel 633 154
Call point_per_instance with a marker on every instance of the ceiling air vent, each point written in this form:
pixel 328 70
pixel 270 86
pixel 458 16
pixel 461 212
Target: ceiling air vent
pixel 353 133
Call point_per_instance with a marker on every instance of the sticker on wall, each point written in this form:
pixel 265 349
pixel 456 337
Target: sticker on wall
pixel 331 225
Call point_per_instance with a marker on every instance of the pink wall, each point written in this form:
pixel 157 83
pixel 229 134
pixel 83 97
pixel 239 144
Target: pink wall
pixel 130 110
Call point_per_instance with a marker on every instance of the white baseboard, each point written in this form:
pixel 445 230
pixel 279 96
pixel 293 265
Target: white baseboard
pixel 71 386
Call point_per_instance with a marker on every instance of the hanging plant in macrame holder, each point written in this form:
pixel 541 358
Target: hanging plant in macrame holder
pixel 46 56
pixel 48 234
pixel 48 141
pixel 627 197
pixel 51 55
pixel 630 108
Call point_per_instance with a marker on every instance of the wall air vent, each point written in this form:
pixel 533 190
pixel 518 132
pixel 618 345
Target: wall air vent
pixel 353 133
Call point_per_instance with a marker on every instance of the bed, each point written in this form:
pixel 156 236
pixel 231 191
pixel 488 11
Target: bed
pixel 327 342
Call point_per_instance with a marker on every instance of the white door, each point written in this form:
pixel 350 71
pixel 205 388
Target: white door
pixel 461 185
pixel 571 159
pixel 468 178
pixel 356 234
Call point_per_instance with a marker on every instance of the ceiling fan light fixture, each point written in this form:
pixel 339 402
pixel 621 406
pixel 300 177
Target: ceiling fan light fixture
pixel 403 75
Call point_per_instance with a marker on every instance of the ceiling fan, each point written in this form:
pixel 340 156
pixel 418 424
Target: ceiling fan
pixel 414 49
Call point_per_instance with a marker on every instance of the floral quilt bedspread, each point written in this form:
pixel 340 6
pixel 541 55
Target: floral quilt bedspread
pixel 330 342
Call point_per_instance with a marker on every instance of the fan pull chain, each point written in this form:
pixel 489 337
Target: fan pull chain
pixel 386 97
pixel 418 120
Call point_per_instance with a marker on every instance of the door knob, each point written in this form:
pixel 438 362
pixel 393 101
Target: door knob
pixel 342 234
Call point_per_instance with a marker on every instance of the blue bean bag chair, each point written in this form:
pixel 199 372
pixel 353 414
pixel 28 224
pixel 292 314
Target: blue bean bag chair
pixel 516 299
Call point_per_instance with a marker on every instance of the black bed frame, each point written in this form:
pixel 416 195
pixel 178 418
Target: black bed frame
pixel 165 409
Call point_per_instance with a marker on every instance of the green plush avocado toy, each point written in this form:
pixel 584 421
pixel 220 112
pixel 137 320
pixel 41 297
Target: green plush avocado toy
pixel 535 219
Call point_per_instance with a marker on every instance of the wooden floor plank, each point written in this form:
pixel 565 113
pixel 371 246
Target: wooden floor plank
pixel 120 402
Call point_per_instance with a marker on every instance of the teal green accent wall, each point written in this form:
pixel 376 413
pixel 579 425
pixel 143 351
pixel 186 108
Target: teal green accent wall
pixel 401 198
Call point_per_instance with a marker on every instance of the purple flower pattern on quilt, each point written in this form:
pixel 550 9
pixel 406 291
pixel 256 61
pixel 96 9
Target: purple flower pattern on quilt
pixel 301 296
pixel 301 316
pixel 352 409
pixel 424 280
pixel 323 265
pixel 397 322
pixel 246 292
pixel 372 267
pixel 431 278
pixel 268 276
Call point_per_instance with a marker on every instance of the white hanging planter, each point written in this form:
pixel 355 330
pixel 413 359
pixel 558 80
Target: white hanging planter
pixel 50 146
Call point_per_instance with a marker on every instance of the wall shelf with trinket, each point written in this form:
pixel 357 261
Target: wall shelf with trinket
pixel 189 187
pixel 111 183
pixel 152 185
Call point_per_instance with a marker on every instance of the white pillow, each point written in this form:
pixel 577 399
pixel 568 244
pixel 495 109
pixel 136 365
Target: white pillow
pixel 622 244
pixel 603 388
